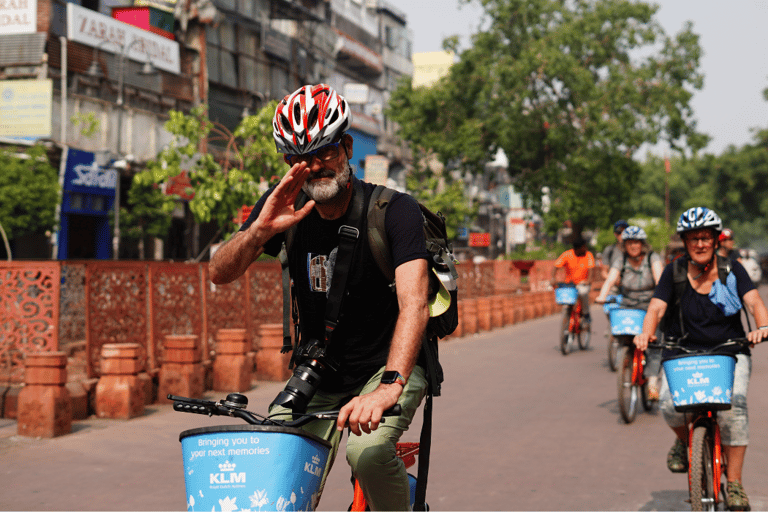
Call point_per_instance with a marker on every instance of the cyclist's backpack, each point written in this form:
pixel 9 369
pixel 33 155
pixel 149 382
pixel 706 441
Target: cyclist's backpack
pixel 680 283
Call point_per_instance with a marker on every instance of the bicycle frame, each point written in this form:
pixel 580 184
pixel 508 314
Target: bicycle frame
pixel 574 321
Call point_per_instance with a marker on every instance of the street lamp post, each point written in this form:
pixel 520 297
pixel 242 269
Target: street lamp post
pixel 148 69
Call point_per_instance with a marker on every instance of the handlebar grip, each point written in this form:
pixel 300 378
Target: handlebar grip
pixel 395 410
pixel 208 410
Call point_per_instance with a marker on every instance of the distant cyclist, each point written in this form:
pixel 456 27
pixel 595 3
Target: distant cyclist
pixel 726 249
pixel 637 268
pixel 610 252
pixel 579 266
pixel 709 313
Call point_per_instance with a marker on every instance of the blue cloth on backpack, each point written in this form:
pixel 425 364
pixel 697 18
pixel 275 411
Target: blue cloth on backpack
pixel 725 296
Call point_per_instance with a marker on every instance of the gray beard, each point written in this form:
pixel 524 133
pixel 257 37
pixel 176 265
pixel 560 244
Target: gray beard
pixel 325 191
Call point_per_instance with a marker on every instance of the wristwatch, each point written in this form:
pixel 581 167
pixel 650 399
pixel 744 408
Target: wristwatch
pixel 391 377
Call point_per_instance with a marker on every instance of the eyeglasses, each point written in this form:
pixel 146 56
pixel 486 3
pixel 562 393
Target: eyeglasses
pixel 704 240
pixel 324 154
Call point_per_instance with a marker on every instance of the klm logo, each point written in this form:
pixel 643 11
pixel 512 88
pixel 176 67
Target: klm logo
pixel 313 468
pixel 227 475
pixel 698 380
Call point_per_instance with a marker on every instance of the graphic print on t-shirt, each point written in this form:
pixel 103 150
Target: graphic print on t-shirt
pixel 320 271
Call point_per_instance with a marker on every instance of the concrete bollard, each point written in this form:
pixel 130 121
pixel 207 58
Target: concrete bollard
pixel 120 391
pixel 182 371
pixel 44 404
pixel 232 369
pixel 270 363
pixel 508 303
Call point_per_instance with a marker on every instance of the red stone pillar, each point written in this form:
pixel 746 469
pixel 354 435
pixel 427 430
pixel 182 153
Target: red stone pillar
pixel 182 370
pixel 232 369
pixel 270 363
pixel 120 391
pixel 497 311
pixel 483 314
pixel 44 405
pixel 470 316
pixel 508 303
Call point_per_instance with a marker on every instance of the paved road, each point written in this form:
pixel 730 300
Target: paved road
pixel 520 427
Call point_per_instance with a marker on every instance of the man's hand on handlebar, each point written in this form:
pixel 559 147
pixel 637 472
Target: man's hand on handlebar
pixel 364 412
pixel 642 340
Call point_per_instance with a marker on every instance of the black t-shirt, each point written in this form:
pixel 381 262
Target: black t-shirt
pixel 361 340
pixel 704 322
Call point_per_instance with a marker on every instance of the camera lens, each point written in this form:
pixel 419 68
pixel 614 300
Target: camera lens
pixel 301 387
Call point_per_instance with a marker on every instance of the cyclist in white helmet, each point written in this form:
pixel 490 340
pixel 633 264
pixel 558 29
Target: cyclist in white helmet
pixel 708 321
pixel 376 346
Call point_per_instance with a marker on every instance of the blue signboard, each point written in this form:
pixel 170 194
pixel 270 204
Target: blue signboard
pixel 87 202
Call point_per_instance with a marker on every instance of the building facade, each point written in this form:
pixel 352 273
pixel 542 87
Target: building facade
pixel 121 65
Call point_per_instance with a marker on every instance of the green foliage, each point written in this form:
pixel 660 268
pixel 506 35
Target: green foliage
pixel 447 198
pixel 29 192
pixel 89 121
pixel 149 213
pixel 570 91
pixel 222 182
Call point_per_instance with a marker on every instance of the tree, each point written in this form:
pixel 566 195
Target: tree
pixel 447 197
pixel 222 182
pixel 570 91
pixel 29 192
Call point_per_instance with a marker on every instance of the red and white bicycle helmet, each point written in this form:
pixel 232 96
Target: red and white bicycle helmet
pixel 311 117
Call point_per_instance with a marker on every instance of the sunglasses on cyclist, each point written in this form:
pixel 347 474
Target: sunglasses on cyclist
pixel 324 154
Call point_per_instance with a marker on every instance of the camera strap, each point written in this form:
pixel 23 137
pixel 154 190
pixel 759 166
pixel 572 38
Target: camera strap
pixel 348 236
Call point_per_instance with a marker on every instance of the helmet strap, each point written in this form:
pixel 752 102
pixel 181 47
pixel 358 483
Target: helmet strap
pixel 704 268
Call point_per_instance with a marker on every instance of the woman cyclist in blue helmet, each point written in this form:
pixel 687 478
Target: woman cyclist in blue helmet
pixel 708 322
pixel 636 270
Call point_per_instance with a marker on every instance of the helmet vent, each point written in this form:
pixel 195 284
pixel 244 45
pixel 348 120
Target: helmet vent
pixel 312 118
pixel 334 117
pixel 286 124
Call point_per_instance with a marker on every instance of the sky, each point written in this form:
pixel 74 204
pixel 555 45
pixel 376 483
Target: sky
pixel 733 36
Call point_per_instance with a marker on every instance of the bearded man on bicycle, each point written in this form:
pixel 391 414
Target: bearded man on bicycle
pixel 579 266
pixel 376 344
pixel 706 314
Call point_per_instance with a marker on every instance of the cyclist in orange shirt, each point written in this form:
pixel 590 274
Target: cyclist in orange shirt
pixel 579 265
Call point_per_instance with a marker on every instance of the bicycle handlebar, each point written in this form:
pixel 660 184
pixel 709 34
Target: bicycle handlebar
pixel 234 406
pixel 674 343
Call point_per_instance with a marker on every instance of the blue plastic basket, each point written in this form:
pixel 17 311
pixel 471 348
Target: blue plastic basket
pixel 700 380
pixel 566 294
pixel 626 321
pixel 615 302
pixel 253 467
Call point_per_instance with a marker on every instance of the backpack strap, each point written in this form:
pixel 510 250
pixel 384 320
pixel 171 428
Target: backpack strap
pixel 377 232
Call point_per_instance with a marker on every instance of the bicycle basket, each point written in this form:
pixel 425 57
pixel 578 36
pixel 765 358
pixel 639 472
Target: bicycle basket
pixel 627 321
pixel 252 466
pixel 700 380
pixel 566 294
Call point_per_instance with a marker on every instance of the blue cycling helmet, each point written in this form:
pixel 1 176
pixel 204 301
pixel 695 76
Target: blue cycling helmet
pixel 634 233
pixel 699 218
pixel 620 225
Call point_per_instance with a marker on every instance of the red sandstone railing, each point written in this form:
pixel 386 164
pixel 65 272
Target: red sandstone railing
pixel 51 306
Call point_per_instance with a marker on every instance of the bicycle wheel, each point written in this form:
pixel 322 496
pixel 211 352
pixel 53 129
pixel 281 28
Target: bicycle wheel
pixel 565 332
pixel 565 342
pixel 613 353
pixel 584 336
pixel 627 390
pixel 701 485
pixel 647 403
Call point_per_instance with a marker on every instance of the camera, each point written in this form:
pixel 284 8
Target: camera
pixel 306 378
